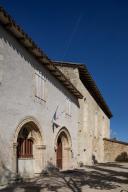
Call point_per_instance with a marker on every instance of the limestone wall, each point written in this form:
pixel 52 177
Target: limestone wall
pixel 94 125
pixel 115 151
pixel 18 102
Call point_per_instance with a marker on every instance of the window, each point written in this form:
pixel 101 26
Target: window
pixel 25 148
pixel 68 107
pixel 40 86
pixel 25 144
pixel 103 127
pixel 96 125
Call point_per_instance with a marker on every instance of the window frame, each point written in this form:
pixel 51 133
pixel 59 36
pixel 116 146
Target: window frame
pixel 25 148
pixel 68 107
pixel 40 86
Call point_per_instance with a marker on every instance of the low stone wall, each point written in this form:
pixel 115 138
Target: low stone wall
pixel 115 151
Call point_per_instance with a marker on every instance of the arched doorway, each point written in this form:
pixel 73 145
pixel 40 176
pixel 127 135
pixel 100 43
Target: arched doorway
pixel 59 153
pixel 63 149
pixel 29 151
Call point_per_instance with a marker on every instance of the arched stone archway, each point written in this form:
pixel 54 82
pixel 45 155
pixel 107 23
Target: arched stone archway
pixel 28 148
pixel 63 149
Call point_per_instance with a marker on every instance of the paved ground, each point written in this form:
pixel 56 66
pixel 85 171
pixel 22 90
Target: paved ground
pixel 104 177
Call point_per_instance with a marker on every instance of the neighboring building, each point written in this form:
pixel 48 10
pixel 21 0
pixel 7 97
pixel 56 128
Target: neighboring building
pixel 94 117
pixel 38 107
pixel 44 118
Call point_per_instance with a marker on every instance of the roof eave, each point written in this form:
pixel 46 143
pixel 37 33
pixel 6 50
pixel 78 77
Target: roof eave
pixel 92 88
pixel 31 46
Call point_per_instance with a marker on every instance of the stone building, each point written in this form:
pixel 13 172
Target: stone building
pixel 51 113
pixel 38 107
pixel 94 116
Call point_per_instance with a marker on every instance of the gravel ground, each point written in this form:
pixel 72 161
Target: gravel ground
pixel 103 177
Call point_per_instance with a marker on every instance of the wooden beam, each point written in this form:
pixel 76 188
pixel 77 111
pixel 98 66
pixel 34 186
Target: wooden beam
pixel 8 25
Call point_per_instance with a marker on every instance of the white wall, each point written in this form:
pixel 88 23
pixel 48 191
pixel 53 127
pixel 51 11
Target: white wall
pixel 17 100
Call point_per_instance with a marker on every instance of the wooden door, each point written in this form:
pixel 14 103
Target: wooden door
pixel 59 153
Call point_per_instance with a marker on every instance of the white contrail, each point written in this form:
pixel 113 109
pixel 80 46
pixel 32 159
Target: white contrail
pixel 73 34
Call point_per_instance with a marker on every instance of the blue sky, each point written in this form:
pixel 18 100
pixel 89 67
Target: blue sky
pixel 94 33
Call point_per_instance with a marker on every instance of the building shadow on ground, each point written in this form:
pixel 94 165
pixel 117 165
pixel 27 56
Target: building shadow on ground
pixel 93 177
pixel 124 165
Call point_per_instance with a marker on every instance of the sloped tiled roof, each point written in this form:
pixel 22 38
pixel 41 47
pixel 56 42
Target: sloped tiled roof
pixel 89 83
pixel 30 45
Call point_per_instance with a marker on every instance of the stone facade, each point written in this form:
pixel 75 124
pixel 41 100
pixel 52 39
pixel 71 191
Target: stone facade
pixel 115 151
pixel 48 117
pixel 20 107
pixel 94 124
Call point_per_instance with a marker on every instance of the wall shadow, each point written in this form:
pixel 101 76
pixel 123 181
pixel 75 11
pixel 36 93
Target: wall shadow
pixel 28 57
pixel 93 177
pixel 123 157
